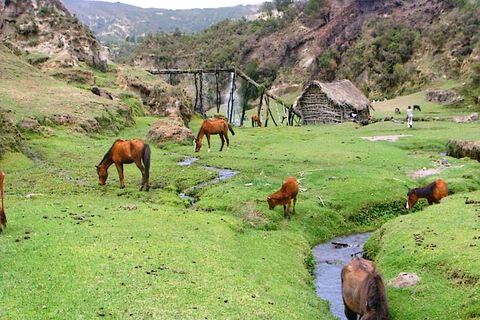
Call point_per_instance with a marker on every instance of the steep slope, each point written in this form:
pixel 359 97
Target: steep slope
pixel 34 102
pixel 46 27
pixel 386 47
pixel 118 21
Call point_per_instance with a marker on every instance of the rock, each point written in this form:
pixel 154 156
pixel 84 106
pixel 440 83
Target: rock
pixel 404 280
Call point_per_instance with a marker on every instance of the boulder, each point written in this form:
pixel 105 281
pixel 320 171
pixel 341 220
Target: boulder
pixel 404 280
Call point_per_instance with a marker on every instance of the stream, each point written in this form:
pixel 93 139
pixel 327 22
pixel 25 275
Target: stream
pixel 331 256
pixel 222 175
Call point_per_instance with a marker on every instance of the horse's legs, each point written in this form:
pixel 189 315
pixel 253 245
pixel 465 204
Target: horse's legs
pixel 294 203
pixel 120 174
pixel 208 140
pixel 223 140
pixel 286 210
pixel 142 170
pixel 228 141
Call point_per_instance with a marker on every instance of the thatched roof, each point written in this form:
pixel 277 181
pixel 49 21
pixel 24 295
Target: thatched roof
pixel 342 92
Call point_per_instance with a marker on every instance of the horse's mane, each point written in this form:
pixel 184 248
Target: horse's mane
pixel 377 296
pixel 427 190
pixel 108 152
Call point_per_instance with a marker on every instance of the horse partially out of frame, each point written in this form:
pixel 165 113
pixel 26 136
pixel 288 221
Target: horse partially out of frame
pixel 363 291
pixel 3 217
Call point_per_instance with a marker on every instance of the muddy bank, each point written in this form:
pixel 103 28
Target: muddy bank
pixel 331 256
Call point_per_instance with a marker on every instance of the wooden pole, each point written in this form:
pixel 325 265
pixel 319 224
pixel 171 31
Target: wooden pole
pixel 267 103
pixel 196 93
pixel 217 75
pixel 202 112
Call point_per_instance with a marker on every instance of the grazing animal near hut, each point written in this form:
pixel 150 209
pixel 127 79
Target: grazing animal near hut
pixel 126 151
pixel 284 196
pixel 363 291
pixel 433 192
pixel 416 107
pixel 214 126
pixel 256 121
pixel 397 111
pixel 3 217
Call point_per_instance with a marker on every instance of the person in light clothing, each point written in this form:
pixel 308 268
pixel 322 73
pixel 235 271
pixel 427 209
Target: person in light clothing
pixel 409 117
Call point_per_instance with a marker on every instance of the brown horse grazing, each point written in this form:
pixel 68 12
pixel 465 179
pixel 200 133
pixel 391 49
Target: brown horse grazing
pixel 214 126
pixel 256 121
pixel 284 196
pixel 3 217
pixel 363 291
pixel 126 151
pixel 433 192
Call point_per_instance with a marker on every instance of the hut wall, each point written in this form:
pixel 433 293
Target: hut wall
pixel 317 108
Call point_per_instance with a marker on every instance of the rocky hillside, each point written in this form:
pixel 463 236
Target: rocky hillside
pixel 118 21
pixel 48 29
pixel 386 47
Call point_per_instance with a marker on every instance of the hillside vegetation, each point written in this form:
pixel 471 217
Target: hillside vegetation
pixel 122 22
pixel 35 102
pixel 386 48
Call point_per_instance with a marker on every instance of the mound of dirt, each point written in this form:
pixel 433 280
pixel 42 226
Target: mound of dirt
pixel 171 128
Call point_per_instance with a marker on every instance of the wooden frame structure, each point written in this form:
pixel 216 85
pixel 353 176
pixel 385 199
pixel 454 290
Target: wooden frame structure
pixel 198 78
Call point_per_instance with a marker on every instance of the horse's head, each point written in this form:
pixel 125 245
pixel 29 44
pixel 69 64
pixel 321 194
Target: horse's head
pixel 412 198
pixel 102 175
pixel 271 203
pixel 198 145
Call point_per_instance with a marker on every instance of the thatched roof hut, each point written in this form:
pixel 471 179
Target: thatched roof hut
pixel 332 102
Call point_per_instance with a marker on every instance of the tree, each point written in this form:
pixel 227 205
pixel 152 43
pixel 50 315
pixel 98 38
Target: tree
pixel 281 5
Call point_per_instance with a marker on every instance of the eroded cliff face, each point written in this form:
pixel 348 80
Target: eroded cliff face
pixel 47 28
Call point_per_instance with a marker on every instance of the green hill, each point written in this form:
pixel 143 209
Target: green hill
pixel 118 21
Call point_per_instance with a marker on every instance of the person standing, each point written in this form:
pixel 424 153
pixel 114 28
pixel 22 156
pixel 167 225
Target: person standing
pixel 409 117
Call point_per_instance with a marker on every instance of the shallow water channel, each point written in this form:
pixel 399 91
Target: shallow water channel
pixel 331 256
pixel 222 175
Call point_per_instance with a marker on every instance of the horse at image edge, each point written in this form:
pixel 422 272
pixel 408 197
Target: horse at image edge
pixel 214 126
pixel 3 217
pixel 363 291
pixel 126 151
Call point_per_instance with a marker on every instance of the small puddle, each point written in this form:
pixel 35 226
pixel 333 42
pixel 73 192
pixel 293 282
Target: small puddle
pixel 223 174
pixel 331 256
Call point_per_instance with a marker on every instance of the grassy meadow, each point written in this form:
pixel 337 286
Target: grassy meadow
pixel 77 250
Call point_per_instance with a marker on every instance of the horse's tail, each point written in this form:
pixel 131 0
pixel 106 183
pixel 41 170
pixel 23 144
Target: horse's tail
pixel 146 161
pixel 377 295
pixel 231 129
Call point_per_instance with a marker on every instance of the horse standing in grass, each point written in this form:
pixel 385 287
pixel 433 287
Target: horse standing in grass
pixel 433 192
pixel 256 121
pixel 126 151
pixel 284 196
pixel 363 291
pixel 3 217
pixel 214 126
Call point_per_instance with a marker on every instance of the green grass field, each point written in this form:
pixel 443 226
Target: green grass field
pixel 76 249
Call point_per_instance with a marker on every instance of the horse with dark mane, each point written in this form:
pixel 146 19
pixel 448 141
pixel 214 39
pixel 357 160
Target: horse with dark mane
pixel 433 192
pixel 3 217
pixel 363 291
pixel 256 121
pixel 214 126
pixel 126 151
